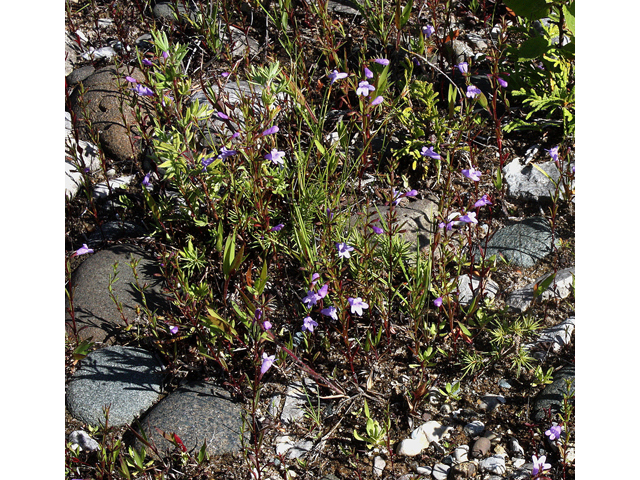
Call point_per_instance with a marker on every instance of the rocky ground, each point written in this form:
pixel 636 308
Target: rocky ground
pixel 489 428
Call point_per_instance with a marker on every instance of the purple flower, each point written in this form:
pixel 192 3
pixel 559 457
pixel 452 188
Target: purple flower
pixel 368 73
pixel 257 314
pixel 323 291
pixel 83 249
pixel 314 278
pixel 364 88
pixel 173 329
pixel 308 324
pixel 382 61
pixel 206 162
pixel 165 55
pixel 448 225
pixel 483 202
pixel 147 62
pixel 472 174
pixel 329 214
pixel 267 325
pixel 225 152
pixel 223 116
pixel 473 91
pixel 267 361
pixel 146 180
pixel 343 250
pixel 428 152
pixel 225 74
pixel 438 302
pixel 335 75
pixel 270 131
pixel 469 217
pixel 130 79
pixel 397 195
pixel 357 305
pixel 553 153
pixel 463 67
pixel 376 230
pixel 277 228
pixel 275 156
pixel 554 432
pixel 330 312
pixel 377 101
pixel 502 82
pixel 539 465
pixel 311 299
pixel 143 90
pixel 428 30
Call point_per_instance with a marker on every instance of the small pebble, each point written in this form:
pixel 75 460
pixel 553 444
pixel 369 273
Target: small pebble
pixel 493 464
pixel 81 439
pixel 504 384
pixel 474 428
pixel 462 471
pixel 378 466
pixel 440 471
pixel 461 453
pixel 481 447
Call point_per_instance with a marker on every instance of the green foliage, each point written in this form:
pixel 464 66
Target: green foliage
pixel 450 391
pixel 543 73
pixel 375 434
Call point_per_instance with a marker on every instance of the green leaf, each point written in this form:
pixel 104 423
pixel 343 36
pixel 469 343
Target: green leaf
pixel 570 17
pixel 529 9
pixel 540 287
pixel 533 48
pixel 406 13
pixel 229 254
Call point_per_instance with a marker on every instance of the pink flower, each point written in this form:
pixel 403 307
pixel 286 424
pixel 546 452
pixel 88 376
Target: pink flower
pixel 357 305
pixel 438 302
pixel 271 130
pixel 472 174
pixel 308 324
pixel 483 202
pixel 84 249
pixel 330 312
pixel 267 362
pixel 473 91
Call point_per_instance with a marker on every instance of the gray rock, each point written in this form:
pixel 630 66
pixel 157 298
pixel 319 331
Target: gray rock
pixel 111 231
pixel 80 438
pixel 474 428
pixel 96 314
pixel 71 51
pixel 165 11
pixel 298 398
pixel 527 182
pixel 127 380
pixel 106 105
pixel 469 288
pixel 490 402
pixel 98 53
pixel 414 217
pixel 524 243
pixel 239 44
pixel 521 299
pixel 78 157
pixel 552 397
pixel 493 464
pixel 79 74
pixel 300 448
pixel 198 412
pixel 559 335
pixel 102 190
